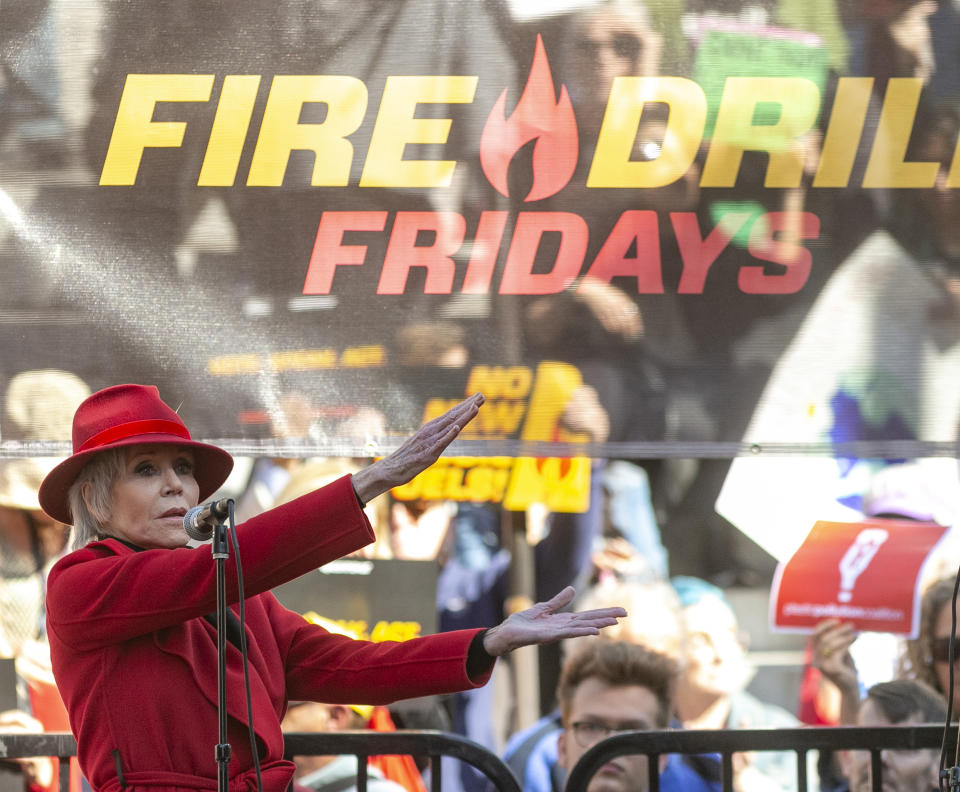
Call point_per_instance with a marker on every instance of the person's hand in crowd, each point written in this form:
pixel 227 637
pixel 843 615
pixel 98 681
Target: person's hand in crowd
pixel 37 771
pixel 417 453
pixel 747 778
pixel 613 308
pixel 910 31
pixel 546 622
pixel 584 413
pixel 832 658
pixel 617 557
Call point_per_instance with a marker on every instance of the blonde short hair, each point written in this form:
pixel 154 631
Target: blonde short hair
pixel 90 496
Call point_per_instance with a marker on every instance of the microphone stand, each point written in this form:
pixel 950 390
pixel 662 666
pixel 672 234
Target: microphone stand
pixel 220 549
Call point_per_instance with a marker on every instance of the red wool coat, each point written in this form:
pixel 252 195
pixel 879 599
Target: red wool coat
pixel 136 662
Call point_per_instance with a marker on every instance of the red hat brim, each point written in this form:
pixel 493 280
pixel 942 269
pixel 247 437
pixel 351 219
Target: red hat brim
pixel 212 465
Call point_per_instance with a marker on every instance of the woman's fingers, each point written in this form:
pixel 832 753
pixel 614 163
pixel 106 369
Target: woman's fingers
pixel 418 452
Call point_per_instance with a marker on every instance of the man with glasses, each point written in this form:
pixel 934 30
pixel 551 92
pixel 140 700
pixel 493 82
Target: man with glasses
pixel 607 687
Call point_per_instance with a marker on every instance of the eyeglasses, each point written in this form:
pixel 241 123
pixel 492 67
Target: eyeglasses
pixel 940 650
pixel 586 733
pixel 623 45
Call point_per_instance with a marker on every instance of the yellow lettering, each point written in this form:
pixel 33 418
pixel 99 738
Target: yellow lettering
pixel 405 630
pixel 562 484
pixel 303 359
pixel 225 365
pixel 355 627
pixel 434 408
pixel 553 388
pixel 886 167
pixel 395 631
pixel 485 484
pixel 498 417
pixel 475 479
pixel 396 127
pixel 517 382
pixel 735 131
pixel 842 138
pixel 613 164
pixel 364 356
pixel 432 481
pixel 229 130
pixel 500 382
pixel 453 484
pixel 953 177
pixel 409 491
pixel 281 131
pixel 134 130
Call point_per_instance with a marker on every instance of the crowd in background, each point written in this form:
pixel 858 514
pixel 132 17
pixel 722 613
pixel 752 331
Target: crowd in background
pixel 687 627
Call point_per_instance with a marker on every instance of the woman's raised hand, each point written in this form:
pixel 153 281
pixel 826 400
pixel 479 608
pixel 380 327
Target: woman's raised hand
pixel 417 453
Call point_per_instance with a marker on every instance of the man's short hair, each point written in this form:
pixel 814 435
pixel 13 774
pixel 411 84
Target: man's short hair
pixel 619 664
pixel 903 698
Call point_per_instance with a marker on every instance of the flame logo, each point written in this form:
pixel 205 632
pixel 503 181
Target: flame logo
pixel 537 116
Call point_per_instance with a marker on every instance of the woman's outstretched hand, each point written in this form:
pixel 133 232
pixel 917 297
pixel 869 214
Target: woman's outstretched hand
pixel 417 453
pixel 545 623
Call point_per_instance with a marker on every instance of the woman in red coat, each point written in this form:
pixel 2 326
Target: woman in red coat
pixel 134 651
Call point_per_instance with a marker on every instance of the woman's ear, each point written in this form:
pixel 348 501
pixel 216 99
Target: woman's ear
pixel 86 494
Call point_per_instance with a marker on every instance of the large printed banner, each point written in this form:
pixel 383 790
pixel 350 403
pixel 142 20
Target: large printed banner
pixel 314 224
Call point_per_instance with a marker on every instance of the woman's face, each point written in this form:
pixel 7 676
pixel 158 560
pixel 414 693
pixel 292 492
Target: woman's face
pixel 151 496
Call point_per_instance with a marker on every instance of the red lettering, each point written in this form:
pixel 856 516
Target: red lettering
pixel 483 256
pixel 329 252
pixel 403 252
pixel 518 275
pixel 612 261
pixel 795 258
pixel 697 253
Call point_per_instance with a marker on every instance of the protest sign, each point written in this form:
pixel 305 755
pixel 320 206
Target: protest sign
pixel 866 574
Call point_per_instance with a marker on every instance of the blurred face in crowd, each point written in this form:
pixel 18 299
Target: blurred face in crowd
pixel 597 711
pixel 604 45
pixel 901 771
pixel 51 534
pixel 940 651
pixel 154 491
pixel 715 657
pixel 17 538
pixel 311 716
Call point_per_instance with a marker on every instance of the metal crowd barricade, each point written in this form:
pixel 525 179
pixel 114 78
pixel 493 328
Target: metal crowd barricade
pixel 434 745
pixel 727 742
pixel 429 744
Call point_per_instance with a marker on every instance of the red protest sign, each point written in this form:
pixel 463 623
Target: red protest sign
pixel 864 573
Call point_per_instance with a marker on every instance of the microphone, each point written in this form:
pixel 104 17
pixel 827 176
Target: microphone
pixel 199 521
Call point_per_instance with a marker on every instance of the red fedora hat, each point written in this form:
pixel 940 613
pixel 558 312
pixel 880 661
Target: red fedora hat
pixel 126 415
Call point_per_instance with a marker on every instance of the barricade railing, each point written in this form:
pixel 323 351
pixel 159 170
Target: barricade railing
pixel 431 745
pixel 727 742
pixel 434 745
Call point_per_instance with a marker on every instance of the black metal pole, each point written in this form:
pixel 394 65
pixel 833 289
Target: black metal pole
pixel 220 549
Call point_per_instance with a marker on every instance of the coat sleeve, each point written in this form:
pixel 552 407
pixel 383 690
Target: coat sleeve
pixel 105 594
pixel 335 669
